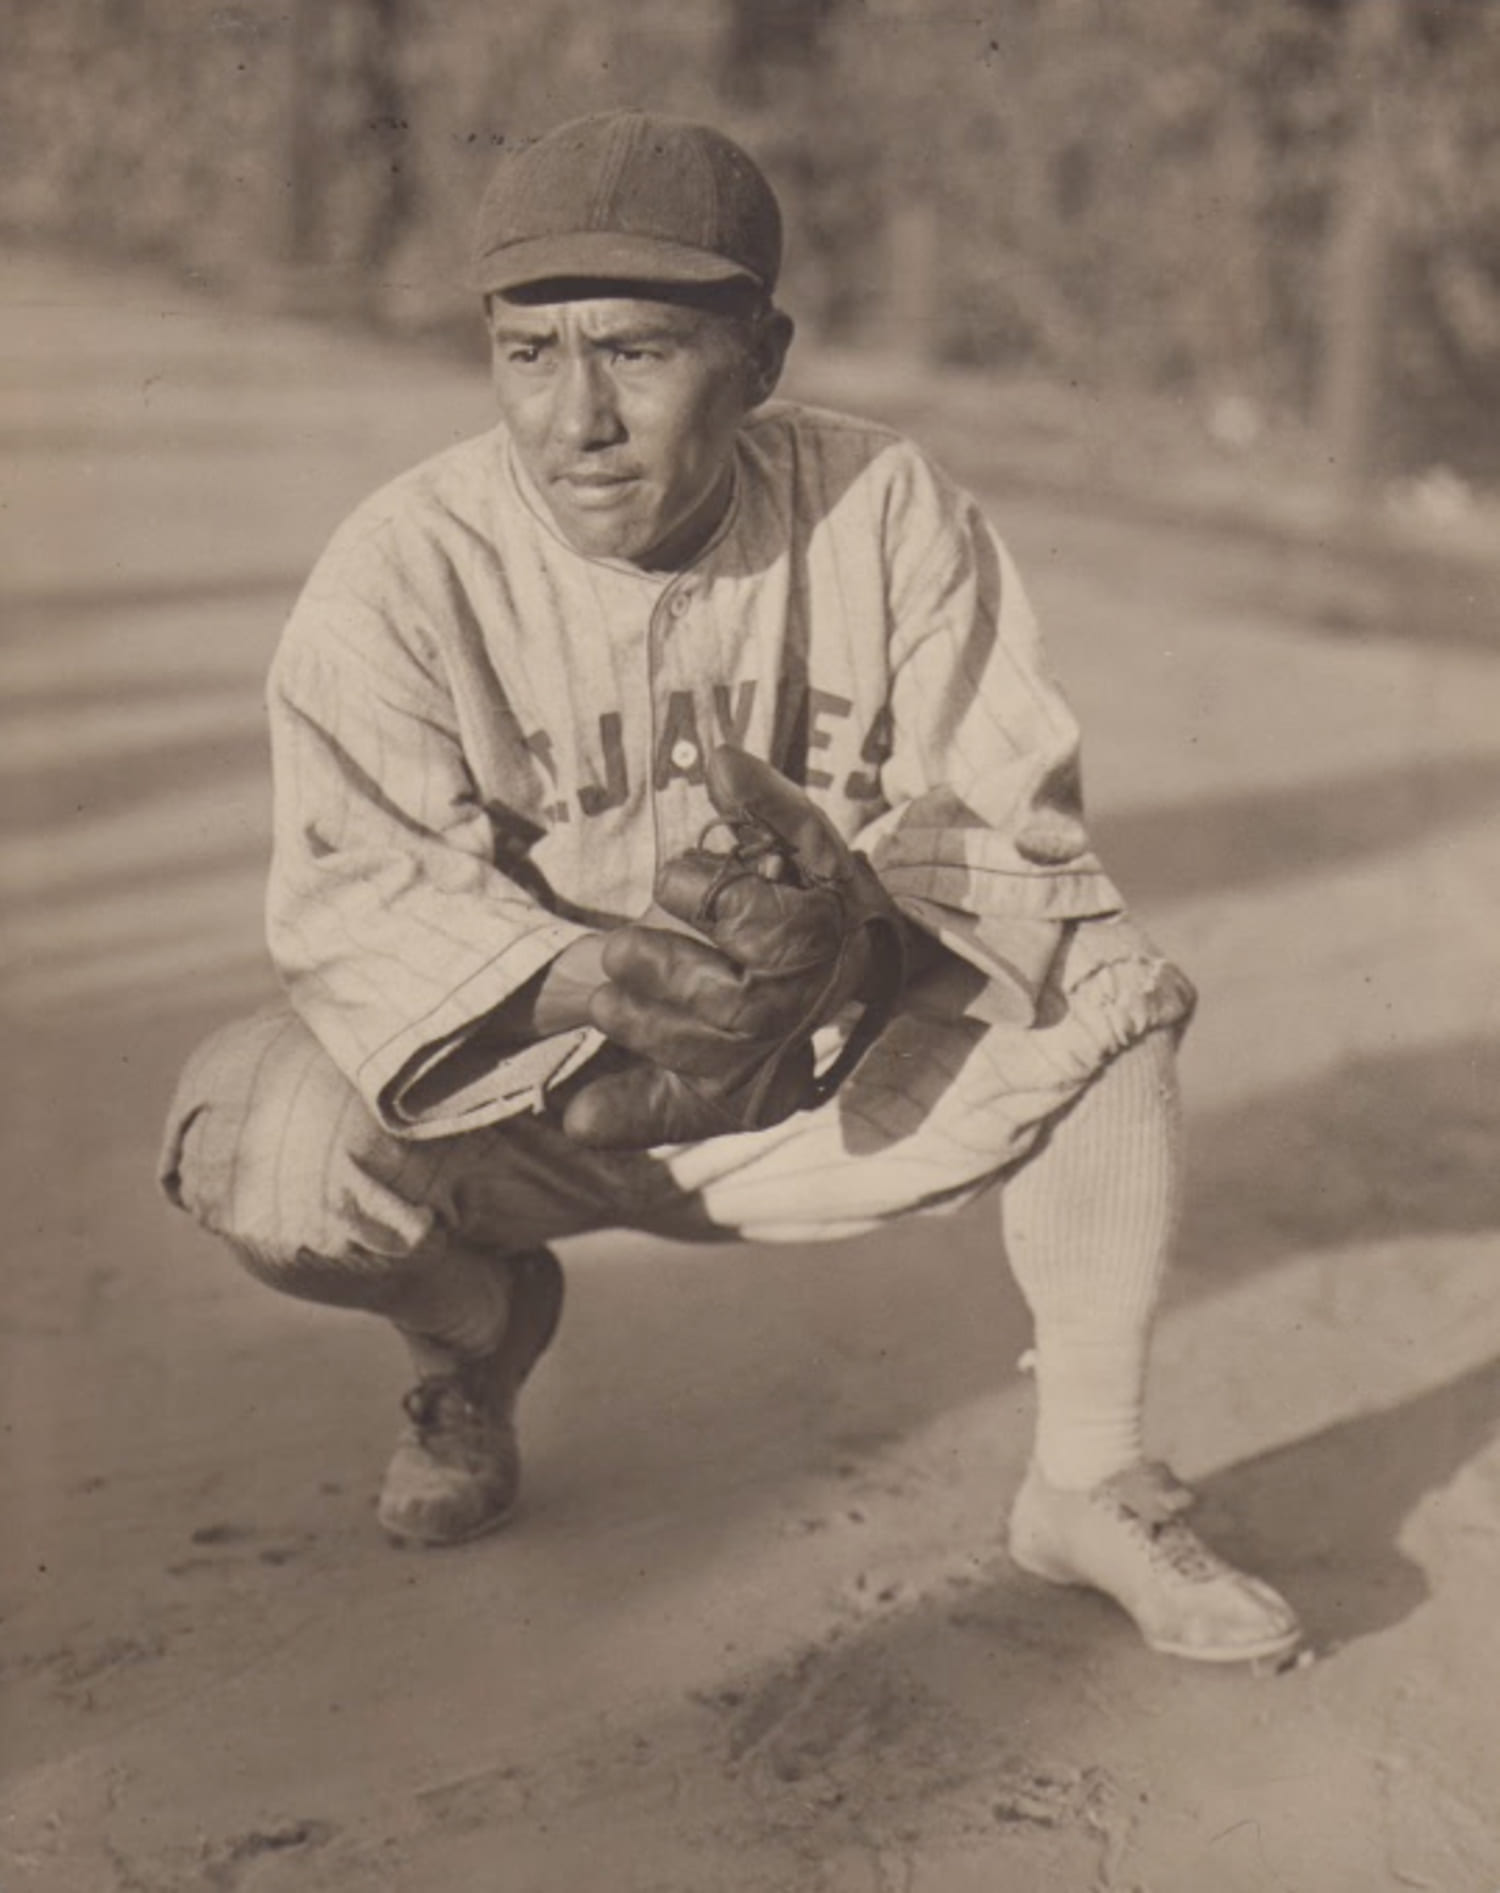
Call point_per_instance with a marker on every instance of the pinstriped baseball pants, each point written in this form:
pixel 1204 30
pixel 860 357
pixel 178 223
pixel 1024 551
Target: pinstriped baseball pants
pixel 268 1145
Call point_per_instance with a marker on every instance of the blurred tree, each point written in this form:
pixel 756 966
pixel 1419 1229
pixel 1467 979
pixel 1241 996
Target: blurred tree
pixel 776 68
pixel 1445 367
pixel 772 45
pixel 1197 195
pixel 1360 245
pixel 349 191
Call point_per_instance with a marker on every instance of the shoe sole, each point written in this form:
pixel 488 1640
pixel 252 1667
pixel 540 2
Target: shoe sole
pixel 415 1541
pixel 1271 1650
pixel 1269 1655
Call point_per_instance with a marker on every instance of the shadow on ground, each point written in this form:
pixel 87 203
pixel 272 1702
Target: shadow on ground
pixel 58 609
pixel 943 1732
pixel 1379 1147
pixel 1217 844
pixel 111 785
pixel 1324 1516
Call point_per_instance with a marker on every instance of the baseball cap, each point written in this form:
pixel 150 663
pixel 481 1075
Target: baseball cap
pixel 627 196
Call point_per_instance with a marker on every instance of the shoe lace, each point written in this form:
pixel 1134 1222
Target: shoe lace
pixel 1154 1500
pixel 440 1408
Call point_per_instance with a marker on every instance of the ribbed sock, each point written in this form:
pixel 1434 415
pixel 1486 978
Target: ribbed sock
pixel 1089 1222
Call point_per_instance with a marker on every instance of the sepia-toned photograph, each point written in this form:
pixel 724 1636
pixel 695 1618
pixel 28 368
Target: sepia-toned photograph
pixel 750 946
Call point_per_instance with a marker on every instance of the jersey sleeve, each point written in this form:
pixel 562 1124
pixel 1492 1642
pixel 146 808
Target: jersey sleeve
pixel 395 933
pixel 983 842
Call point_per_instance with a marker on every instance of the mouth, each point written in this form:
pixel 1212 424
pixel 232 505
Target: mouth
pixel 597 485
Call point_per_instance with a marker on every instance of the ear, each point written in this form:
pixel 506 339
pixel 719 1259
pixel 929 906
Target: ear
pixel 773 337
pixel 487 311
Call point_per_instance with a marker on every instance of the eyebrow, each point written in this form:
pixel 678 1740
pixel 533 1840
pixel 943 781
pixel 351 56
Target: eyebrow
pixel 630 334
pixel 530 338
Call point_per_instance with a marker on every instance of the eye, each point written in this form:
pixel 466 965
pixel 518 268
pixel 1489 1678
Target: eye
pixel 524 354
pixel 632 356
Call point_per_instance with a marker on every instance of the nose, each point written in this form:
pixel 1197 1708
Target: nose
pixel 585 412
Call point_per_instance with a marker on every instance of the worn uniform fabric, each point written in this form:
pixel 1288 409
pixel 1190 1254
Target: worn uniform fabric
pixel 486 742
pixel 269 1145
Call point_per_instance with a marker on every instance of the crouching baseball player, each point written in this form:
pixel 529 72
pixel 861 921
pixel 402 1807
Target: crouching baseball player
pixel 677 829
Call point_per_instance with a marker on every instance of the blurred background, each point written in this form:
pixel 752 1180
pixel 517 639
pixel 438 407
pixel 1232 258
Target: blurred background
pixel 1279 214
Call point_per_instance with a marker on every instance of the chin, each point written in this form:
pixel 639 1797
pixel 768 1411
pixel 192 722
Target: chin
pixel 607 545
pixel 602 539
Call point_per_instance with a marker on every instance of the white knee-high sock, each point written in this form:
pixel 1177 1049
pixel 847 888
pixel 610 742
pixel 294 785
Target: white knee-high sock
pixel 1088 1223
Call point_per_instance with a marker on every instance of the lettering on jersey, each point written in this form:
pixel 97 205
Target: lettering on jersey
pixel 539 743
pixel 822 703
pixel 734 715
pixel 874 750
pixel 593 799
pixel 809 730
pixel 679 747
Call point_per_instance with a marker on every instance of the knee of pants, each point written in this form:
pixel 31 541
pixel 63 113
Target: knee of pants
pixel 270 1147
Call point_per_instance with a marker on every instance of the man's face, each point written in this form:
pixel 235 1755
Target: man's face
pixel 624 413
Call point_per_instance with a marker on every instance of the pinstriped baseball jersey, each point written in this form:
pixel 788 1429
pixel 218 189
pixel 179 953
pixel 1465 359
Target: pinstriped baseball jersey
pixel 485 742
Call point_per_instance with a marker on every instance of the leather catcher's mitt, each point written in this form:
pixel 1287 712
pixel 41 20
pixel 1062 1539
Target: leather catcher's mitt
pixel 716 1025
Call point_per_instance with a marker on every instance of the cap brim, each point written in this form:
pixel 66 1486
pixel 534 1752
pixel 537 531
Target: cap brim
pixel 604 256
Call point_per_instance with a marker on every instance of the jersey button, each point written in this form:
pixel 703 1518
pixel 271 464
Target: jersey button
pixel 684 754
pixel 680 603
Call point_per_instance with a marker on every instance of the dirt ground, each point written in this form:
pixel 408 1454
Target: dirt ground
pixel 754 1629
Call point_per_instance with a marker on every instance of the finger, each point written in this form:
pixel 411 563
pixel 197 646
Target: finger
pixel 676 969
pixel 744 787
pixel 770 926
pixel 689 974
pixel 685 885
pixel 626 1110
pixel 664 1035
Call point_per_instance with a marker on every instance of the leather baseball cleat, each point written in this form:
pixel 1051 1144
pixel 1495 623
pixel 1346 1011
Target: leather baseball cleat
pixel 1127 1538
pixel 456 1470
